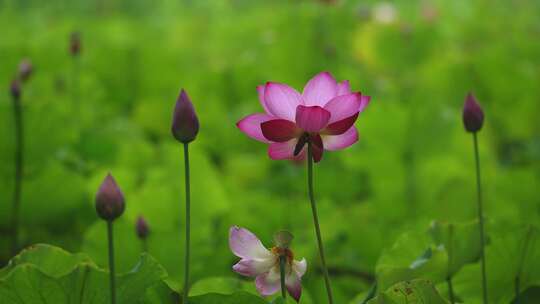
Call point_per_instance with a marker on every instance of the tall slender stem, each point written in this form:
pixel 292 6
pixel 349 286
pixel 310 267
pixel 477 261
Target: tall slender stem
pixel 282 261
pixel 144 245
pixel 517 287
pixel 524 250
pixel 450 260
pixel 18 155
pixel 75 85
pixel 111 262
pixel 316 223
pixel 450 289
pixel 188 221
pixel 480 217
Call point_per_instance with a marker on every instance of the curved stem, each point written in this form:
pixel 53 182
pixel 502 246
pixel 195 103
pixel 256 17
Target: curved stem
pixel 480 217
pixel 316 223
pixel 188 221
pixel 18 155
pixel 111 262
pixel 282 276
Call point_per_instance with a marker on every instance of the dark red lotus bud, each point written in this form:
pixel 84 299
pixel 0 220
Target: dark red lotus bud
pixel 185 124
pixel 75 43
pixel 15 89
pixel 141 227
pixel 109 199
pixel 25 69
pixel 473 116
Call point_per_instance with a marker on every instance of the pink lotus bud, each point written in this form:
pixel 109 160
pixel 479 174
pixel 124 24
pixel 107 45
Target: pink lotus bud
pixel 473 116
pixel 25 69
pixel 185 124
pixel 15 89
pixel 109 200
pixel 75 43
pixel 141 227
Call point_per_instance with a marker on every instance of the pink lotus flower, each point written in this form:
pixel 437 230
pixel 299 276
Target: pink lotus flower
pixel 324 115
pixel 263 264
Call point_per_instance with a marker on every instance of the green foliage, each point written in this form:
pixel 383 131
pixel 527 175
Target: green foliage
pixel 410 292
pixel 235 298
pixel 222 285
pixel 411 257
pixel 513 256
pixel 459 240
pixel 110 110
pixel 46 274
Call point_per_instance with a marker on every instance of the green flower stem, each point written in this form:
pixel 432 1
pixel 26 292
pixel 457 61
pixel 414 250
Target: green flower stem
pixel 75 68
pixel 316 223
pixel 19 141
pixel 517 287
pixel 282 262
pixel 450 256
pixel 188 221
pixel 112 274
pixel 144 245
pixel 480 218
pixel 450 290
pixel 524 250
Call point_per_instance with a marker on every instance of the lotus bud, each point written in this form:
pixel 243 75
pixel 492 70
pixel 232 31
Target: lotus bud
pixel 25 69
pixel 473 116
pixel 75 43
pixel 15 89
pixel 109 199
pixel 141 227
pixel 185 124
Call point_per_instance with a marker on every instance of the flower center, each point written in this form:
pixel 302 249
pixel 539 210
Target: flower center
pixel 302 140
pixel 278 251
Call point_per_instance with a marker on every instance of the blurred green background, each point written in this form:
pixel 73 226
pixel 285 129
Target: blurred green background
pixel 110 110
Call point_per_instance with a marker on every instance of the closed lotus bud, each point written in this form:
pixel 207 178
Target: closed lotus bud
pixel 473 116
pixel 283 239
pixel 185 124
pixel 15 89
pixel 109 199
pixel 25 69
pixel 75 43
pixel 141 227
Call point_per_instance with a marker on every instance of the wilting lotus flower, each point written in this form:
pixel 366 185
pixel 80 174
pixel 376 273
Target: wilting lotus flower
pixel 263 264
pixel 324 115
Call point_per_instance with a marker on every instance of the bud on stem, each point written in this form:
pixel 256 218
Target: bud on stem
pixel 109 200
pixel 141 227
pixel 15 90
pixel 185 124
pixel 75 44
pixel 473 116
pixel 25 69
